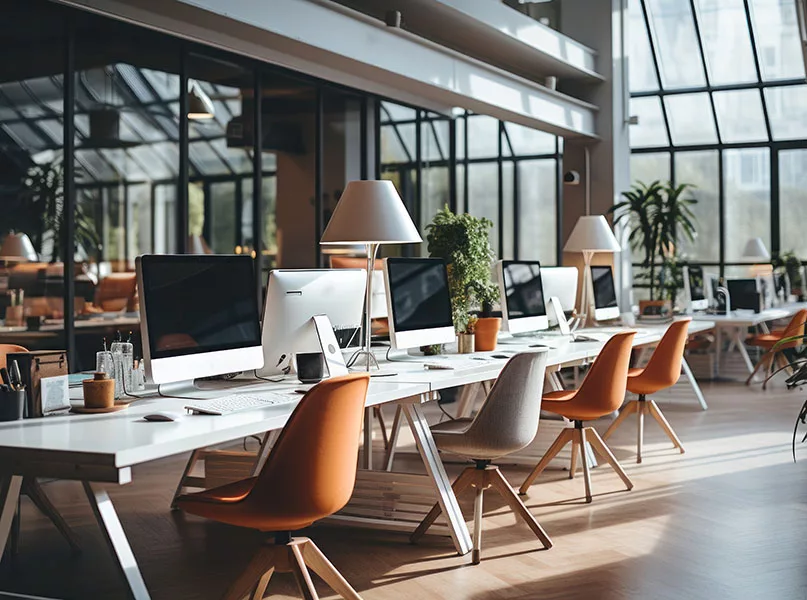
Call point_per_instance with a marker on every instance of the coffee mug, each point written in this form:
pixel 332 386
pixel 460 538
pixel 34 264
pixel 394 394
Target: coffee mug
pixel 310 366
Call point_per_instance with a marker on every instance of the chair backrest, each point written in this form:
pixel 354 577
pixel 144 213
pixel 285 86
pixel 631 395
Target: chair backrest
pixel 508 420
pixel 664 367
pixel 604 387
pixel 796 326
pixel 311 469
pixel 6 349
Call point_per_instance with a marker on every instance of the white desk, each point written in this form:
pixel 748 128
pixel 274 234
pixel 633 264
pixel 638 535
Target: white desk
pixel 736 324
pixel 103 448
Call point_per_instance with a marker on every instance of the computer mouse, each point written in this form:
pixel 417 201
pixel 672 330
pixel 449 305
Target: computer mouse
pixel 162 416
pixel 499 356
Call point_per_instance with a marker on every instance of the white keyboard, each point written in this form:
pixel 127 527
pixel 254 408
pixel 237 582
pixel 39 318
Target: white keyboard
pixel 239 402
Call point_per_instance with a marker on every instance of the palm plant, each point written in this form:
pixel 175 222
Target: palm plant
pixel 656 214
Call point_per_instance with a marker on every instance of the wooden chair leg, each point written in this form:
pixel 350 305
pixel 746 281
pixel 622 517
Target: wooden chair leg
pixel 320 564
pixel 263 563
pixel 477 534
pixel 603 450
pixel 460 485
pixel 563 438
pixel 301 574
pixel 640 412
pixel 626 411
pixel 260 588
pixel 656 413
pixel 762 362
pixel 573 465
pixel 580 434
pixel 501 485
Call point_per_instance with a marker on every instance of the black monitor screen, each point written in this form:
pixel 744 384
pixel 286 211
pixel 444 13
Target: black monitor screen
pixel 419 293
pixel 743 293
pixel 604 289
pixel 199 303
pixel 523 289
pixel 696 289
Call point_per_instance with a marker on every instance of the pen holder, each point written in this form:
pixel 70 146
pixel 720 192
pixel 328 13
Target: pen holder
pixel 14 316
pixel 12 405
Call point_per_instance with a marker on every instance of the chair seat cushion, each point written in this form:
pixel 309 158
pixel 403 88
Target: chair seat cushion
pixel 563 403
pixel 640 383
pixel 222 504
pixel 764 340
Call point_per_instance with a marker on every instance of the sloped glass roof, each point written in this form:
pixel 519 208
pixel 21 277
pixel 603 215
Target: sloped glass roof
pixel 711 72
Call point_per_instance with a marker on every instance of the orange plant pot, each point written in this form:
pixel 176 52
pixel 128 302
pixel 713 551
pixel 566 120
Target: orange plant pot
pixel 486 331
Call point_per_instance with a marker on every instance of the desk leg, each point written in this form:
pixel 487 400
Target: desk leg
pixel 181 485
pixel 694 383
pixel 113 532
pixel 9 496
pixel 739 340
pixel 437 473
pixel 367 454
pixel 465 402
pixel 393 439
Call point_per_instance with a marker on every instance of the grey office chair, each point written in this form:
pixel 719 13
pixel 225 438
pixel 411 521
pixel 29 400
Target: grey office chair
pixel 506 423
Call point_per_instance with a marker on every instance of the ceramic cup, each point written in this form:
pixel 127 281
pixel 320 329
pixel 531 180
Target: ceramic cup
pixel 310 367
pixel 99 392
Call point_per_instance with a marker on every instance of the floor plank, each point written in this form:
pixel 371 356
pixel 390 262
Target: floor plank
pixel 725 520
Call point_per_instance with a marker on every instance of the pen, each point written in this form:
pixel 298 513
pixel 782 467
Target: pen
pixel 4 376
pixel 15 372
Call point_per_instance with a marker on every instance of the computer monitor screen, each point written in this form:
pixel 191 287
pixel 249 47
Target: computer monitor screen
pixel 605 302
pixel 695 287
pixel 744 294
pixel 293 296
pixel 419 302
pixel 522 296
pixel 199 315
pixel 560 282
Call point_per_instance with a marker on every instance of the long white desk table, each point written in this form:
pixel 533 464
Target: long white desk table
pixel 736 324
pixel 103 448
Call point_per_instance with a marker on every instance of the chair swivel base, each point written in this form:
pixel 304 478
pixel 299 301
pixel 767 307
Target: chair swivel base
pixel 289 555
pixel 578 435
pixel 482 477
pixel 642 407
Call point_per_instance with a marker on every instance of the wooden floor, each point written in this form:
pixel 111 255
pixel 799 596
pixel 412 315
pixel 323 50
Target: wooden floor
pixel 726 520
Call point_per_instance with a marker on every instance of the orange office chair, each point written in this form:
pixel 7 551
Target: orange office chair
pixel 6 349
pixel 767 341
pixel 661 372
pixel 308 476
pixel 600 394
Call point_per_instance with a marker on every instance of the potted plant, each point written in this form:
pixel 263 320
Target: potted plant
pixel 463 242
pixel 658 215
pixel 791 264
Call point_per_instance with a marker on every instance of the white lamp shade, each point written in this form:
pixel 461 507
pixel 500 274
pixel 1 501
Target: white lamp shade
pixel 370 212
pixel 592 234
pixel 755 248
pixel 17 247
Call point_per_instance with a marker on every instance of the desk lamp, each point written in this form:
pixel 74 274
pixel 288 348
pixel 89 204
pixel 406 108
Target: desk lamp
pixel 17 247
pixel 370 213
pixel 590 234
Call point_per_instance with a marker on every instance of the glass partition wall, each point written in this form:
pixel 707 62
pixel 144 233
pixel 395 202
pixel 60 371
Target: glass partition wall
pixel 718 87
pixel 117 141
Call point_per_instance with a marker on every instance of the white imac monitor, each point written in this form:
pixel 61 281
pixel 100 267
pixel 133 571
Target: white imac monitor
pixel 561 283
pixel 293 296
pixel 418 302
pixel 522 296
pixel 199 316
pixel 695 288
pixel 605 303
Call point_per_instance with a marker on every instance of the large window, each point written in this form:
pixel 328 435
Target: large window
pixel 718 89
pixel 502 171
